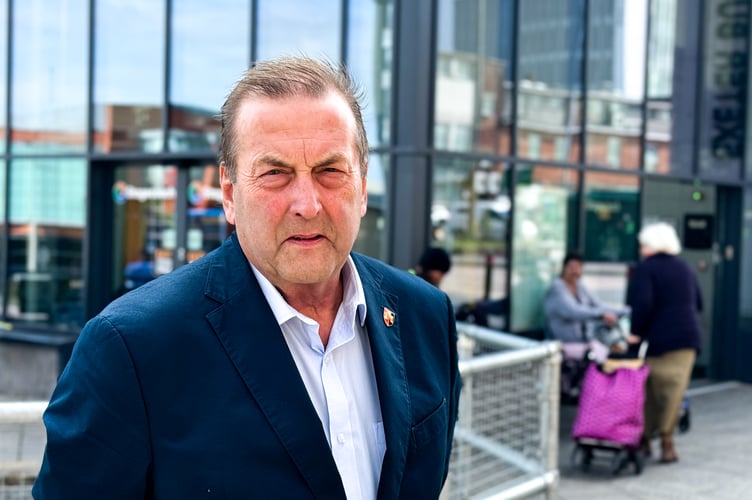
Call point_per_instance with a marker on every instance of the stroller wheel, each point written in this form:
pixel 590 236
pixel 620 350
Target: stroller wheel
pixel 684 421
pixel 620 460
pixel 639 462
pixel 582 456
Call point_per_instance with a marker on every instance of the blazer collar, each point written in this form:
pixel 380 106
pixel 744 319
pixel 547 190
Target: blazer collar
pixel 391 377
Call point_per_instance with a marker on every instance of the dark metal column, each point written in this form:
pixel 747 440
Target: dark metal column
pixel 409 192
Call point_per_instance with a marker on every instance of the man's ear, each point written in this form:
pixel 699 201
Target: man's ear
pixel 227 187
pixel 364 203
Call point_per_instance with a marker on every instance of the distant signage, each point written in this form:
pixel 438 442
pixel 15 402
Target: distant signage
pixel 725 84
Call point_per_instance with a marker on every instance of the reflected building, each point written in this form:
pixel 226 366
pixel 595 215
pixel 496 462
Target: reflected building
pixel 506 131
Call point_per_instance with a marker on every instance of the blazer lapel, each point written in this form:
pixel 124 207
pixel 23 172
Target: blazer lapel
pixel 246 326
pixel 391 378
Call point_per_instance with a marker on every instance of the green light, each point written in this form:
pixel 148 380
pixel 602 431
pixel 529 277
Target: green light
pixel 697 195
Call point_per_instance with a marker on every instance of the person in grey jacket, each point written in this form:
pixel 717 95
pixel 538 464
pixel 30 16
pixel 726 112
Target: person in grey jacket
pixel 571 309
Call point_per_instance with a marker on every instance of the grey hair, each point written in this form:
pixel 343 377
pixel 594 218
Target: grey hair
pixel 660 237
pixel 284 77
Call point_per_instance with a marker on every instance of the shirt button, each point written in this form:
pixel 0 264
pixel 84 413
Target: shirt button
pixel 341 438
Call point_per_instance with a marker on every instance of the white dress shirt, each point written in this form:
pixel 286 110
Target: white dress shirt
pixel 340 381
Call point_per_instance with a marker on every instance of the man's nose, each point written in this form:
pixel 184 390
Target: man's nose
pixel 305 196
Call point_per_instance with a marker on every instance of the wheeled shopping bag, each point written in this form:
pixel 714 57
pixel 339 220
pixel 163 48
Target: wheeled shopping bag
pixel 610 417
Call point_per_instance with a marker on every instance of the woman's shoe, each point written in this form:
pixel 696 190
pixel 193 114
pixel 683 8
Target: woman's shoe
pixel 668 452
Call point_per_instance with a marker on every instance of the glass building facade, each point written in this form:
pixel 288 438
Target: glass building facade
pixel 506 131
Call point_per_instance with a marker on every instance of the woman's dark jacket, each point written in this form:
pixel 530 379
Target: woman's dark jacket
pixel 666 302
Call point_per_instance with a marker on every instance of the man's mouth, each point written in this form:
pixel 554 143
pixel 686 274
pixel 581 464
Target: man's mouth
pixel 312 237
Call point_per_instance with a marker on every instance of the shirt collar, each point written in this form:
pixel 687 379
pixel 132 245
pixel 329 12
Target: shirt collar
pixel 352 295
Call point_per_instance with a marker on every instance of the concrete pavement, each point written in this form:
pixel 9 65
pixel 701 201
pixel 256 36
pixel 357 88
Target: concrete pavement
pixel 715 455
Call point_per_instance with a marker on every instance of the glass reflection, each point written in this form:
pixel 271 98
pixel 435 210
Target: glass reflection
pixel 45 252
pixel 745 292
pixel 658 133
pixel 470 218
pixel 3 273
pixel 3 73
pixel 612 205
pixel 299 27
pixel 549 102
pixel 371 236
pixel 49 98
pixel 207 226
pixel 370 31
pixel 616 78
pixel 144 226
pixel 474 76
pixel 202 68
pixel 128 75
pixel 545 225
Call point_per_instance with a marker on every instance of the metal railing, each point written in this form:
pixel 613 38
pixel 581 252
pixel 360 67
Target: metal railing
pixel 506 439
pixel 22 441
pixel 507 434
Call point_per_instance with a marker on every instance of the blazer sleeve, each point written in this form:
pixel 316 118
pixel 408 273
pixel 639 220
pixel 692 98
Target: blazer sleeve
pixel 96 424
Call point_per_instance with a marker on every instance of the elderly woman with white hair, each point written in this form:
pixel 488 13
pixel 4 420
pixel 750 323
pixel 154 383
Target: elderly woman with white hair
pixel 666 302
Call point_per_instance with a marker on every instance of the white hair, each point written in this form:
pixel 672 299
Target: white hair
pixel 660 237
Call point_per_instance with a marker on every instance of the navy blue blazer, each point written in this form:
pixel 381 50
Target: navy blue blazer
pixel 185 388
pixel 666 302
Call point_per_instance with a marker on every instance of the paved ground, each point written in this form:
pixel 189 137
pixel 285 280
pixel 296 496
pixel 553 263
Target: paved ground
pixel 715 456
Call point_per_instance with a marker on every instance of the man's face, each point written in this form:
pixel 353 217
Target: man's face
pixel 298 196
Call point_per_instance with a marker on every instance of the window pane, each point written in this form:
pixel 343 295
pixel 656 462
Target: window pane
pixel 470 218
pixel 745 292
pixel 549 103
pixel 203 68
pixel 660 107
pixel 370 32
pixel 611 214
pixel 145 235
pixel 474 75
pixel 299 27
pixel 207 226
pixel 47 219
pixel 48 103
pixel 545 224
pixel 3 72
pixel 371 236
pixel 128 75
pixel 3 274
pixel 616 78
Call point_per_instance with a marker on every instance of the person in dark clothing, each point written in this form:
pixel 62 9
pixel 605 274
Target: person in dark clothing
pixel 433 265
pixel 666 303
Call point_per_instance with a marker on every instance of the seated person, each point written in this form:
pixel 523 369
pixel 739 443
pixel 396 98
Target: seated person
pixel 434 263
pixel 572 312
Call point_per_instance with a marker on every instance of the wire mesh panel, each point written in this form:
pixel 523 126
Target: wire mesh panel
pixel 506 436
pixel 22 438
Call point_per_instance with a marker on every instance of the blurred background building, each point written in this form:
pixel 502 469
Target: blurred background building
pixel 505 131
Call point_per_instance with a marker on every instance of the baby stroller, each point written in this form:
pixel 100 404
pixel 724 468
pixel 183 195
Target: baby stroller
pixel 609 417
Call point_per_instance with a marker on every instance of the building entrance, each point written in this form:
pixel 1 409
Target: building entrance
pixel 158 217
